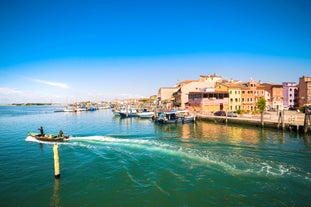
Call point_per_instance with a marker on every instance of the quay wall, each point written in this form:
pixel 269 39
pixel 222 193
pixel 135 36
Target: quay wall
pixel 290 121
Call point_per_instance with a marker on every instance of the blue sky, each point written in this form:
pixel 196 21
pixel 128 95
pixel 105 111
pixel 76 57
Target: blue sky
pixel 65 51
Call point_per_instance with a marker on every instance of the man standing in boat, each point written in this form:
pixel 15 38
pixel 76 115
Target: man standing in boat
pixel 41 131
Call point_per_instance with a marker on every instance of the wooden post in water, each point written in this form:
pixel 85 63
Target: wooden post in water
pixel 283 123
pixel 307 121
pixel 279 118
pixel 56 162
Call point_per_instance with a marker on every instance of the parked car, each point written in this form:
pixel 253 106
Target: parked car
pixel 232 114
pixel 220 113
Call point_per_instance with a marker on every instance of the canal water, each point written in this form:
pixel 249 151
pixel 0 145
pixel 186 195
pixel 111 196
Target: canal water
pixel 110 161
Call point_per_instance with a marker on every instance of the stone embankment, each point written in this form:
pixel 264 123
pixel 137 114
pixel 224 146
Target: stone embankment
pixel 291 120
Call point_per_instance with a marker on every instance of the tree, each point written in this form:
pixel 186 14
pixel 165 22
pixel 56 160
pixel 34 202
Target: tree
pixel 261 106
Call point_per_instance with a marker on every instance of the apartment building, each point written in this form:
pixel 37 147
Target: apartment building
pixel 209 101
pixel 205 83
pixel 165 95
pixel 290 94
pixel 274 96
pixel 251 91
pixel 235 96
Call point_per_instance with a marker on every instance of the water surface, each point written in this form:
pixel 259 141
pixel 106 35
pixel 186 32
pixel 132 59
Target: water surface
pixel 133 162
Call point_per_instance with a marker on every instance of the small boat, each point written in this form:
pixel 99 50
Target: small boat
pixel 174 117
pixel 48 137
pixel 116 112
pixel 129 113
pixel 145 114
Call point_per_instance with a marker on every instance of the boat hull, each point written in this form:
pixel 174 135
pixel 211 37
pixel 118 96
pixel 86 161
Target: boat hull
pixel 145 114
pixel 175 121
pixel 127 115
pixel 47 137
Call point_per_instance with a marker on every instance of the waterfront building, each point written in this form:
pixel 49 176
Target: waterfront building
pixel 235 92
pixel 251 91
pixel 275 94
pixel 205 83
pixel 304 91
pixel 209 101
pixel 290 94
pixel 165 96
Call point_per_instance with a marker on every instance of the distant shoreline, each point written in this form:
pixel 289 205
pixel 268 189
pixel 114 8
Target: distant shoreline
pixel 29 104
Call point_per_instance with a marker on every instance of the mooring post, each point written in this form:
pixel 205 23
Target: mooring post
pixel 283 123
pixel 279 118
pixel 56 162
pixel 307 121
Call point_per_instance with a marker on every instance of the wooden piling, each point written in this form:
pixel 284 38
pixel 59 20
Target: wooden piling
pixel 307 120
pixel 56 162
pixel 283 123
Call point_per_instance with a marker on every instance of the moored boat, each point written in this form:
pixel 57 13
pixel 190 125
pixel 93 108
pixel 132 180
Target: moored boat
pixel 173 117
pixel 145 114
pixel 129 113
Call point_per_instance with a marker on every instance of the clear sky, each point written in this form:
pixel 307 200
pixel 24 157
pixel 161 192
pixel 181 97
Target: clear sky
pixel 71 50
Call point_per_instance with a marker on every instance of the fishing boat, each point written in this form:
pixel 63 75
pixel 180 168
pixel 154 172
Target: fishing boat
pixel 173 117
pixel 48 137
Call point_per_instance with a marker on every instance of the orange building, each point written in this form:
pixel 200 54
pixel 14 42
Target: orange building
pixel 251 91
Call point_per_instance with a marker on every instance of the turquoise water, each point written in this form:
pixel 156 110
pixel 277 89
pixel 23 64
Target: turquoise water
pixel 133 162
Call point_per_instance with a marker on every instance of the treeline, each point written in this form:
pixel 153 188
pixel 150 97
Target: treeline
pixel 31 104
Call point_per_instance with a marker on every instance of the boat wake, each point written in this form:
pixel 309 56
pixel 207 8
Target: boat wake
pixel 210 157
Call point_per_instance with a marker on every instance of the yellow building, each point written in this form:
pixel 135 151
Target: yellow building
pixel 235 100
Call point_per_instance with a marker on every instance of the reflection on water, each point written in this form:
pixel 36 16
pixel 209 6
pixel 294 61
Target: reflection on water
pixel 55 199
pixel 234 134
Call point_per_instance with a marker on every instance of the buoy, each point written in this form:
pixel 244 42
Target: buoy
pixel 56 162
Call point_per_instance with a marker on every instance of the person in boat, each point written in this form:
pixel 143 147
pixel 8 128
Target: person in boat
pixel 41 131
pixel 60 133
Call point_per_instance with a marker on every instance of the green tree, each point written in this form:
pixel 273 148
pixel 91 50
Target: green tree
pixel 261 106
